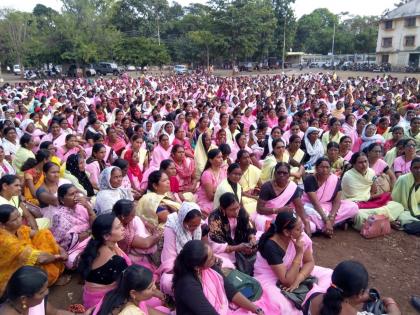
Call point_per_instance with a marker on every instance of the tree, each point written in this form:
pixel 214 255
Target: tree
pixel 285 25
pixel 203 39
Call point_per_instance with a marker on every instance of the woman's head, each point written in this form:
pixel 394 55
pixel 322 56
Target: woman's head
pixel 323 166
pixel 415 168
pixel 52 172
pixel 214 158
pixel 359 161
pixel 55 128
pixel 67 195
pixel 370 130
pixel 136 284
pixel 27 142
pixel 409 147
pixel 168 166
pixel 158 182
pixel 234 173
pixel 41 158
pixel 374 151
pixel 124 210
pixel 278 147
pixel 243 158
pixel 282 173
pixel 110 178
pixel 345 143
pixel 349 281
pixel 10 218
pixel 99 151
pixel 106 229
pixel 397 133
pixel 164 141
pixel 10 185
pixel 241 140
pixel 334 124
pixel 27 287
pixel 294 142
pixel 189 215
pixel 229 206
pixel 333 151
pixel 71 141
pixel 178 153
pixel 10 133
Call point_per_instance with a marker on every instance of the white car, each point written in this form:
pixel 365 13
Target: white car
pixel 131 68
pixel 180 69
pixel 16 69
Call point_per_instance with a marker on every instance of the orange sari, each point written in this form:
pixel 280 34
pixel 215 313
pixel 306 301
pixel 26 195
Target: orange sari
pixel 38 179
pixel 20 250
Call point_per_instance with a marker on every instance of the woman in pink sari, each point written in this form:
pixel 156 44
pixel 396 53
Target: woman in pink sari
pixel 71 221
pixel 201 288
pixel 102 261
pixel 248 119
pixel 139 243
pixel 55 135
pixel 279 195
pixel 70 147
pixel 95 164
pixel 357 141
pixel 115 140
pixel 240 143
pixel 349 127
pixel 285 257
pixel 180 139
pixel 323 200
pixel 345 146
pixel 161 152
pixel 185 168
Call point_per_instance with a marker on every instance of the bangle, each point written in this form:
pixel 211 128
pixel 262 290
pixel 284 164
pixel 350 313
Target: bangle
pixel 390 303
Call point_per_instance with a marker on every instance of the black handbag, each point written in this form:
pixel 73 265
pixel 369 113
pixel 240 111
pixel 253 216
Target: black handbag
pixel 298 295
pixel 245 263
pixel 412 228
pixel 375 305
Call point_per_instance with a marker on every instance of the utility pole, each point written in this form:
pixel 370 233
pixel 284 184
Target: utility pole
pixel 332 48
pixel 284 44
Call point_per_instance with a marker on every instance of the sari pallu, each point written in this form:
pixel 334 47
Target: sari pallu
pixel 268 166
pixel 20 250
pixel 268 279
pixel 406 194
pixel 325 194
pixel 248 182
pixel 94 292
pixel 214 290
pixel 149 203
pixel 261 220
pixel 38 180
pixel 225 187
pixel 185 173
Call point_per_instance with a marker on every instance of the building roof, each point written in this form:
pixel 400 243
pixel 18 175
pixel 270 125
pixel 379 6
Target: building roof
pixel 410 9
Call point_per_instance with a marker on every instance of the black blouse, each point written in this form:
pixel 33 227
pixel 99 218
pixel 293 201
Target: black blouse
pixel 109 272
pixel 311 185
pixel 267 193
pixel 190 298
pixel 272 252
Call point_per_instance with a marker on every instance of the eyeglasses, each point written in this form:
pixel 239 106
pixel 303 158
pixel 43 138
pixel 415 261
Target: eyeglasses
pixel 410 145
pixel 282 173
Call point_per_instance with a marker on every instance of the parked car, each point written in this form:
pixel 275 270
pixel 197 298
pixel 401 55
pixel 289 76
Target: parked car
pixel 86 70
pixel 131 68
pixel 180 69
pixel 104 68
pixel 246 66
pixel 16 69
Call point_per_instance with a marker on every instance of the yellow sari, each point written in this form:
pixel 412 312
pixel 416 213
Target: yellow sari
pixel 200 156
pixel 224 187
pixel 20 250
pixel 149 203
pixel 38 180
pixel 268 166
pixel 22 154
pixel 249 181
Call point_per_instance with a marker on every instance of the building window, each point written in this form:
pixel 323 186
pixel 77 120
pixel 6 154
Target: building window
pixel 387 42
pixel 388 25
pixel 409 40
pixel 385 58
pixel 410 22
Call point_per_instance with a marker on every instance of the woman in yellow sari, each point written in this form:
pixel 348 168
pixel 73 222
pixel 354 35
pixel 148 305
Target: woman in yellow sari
pixel 155 206
pixel 250 181
pixel 203 146
pixel 34 175
pixel 279 154
pixel 20 246
pixel 230 184
pixel 296 155
pixel 24 152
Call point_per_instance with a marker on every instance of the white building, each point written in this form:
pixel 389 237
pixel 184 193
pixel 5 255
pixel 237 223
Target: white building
pixel 399 36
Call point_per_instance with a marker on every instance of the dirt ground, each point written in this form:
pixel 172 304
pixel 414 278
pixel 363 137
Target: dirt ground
pixel 392 262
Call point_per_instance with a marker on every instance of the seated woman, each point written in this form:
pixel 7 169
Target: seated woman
pixel 19 246
pixel 277 196
pixel 395 152
pixel 359 185
pixel 47 192
pixel 200 287
pixel 385 176
pixel 134 288
pixel 10 191
pixel 349 289
pixel 5 166
pixel 334 134
pixel 338 164
pixel 312 146
pixel 345 147
pixel 185 169
pixel 138 146
pixel 397 135
pixel 231 232
pixel 240 143
pixel 370 136
pixel 76 173
pixel 55 134
pixel 250 181
pixel 95 164
pixel 279 154
pixel 161 152
pixel 285 260
pixel 71 222
pixel 230 184
pixel 27 292
pixel 211 177
pixel 406 191
pixel 402 163
pixel 138 243
pixel 102 261
pixel 202 148
pixel 34 176
pixel 115 140
pixel 297 156
pixel 181 140
pixel 110 191
pixel 134 173
pixel 180 228
pixel 323 199
pixel 155 206
pixel 24 152
pixel 70 147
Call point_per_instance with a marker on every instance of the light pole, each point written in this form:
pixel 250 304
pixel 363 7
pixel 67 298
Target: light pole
pixel 284 43
pixel 332 48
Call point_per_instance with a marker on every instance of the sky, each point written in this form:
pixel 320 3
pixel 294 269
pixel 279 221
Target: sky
pixel 354 7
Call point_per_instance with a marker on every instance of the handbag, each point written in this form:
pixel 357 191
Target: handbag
pixel 245 263
pixel 245 284
pixel 383 184
pixel 376 225
pixel 375 305
pixel 298 295
pixel 412 228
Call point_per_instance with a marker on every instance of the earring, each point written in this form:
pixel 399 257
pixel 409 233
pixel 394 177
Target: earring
pixel 24 306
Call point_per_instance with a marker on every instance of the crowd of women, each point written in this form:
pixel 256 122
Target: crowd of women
pixel 159 191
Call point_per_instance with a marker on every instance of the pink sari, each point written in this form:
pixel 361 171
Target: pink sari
pixel 261 220
pixel 324 194
pixel 185 173
pixel 58 142
pixel 159 154
pixel 379 167
pixel 268 279
pixel 214 291
pixel 348 156
pixel 63 153
pixel 93 292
